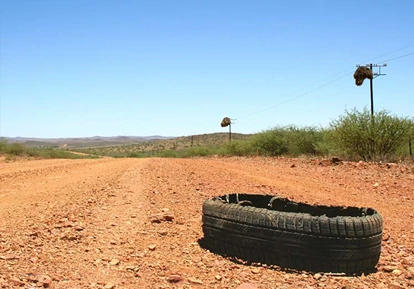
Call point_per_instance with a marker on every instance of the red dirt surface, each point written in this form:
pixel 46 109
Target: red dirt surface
pixel 135 223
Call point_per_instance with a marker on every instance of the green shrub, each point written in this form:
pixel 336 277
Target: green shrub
pixel 371 138
pixel 326 146
pixel 288 140
pixel 168 154
pixel 200 151
pixel 302 141
pixel 270 143
pixel 238 148
pixel 16 150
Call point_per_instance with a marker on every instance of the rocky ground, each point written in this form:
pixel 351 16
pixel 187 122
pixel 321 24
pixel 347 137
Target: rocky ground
pixel 136 223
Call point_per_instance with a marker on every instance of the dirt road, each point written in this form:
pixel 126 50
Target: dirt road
pixel 89 223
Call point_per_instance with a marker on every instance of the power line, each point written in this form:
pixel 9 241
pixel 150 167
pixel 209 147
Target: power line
pixel 326 84
pixel 330 82
pixel 398 57
pixel 388 53
pixel 296 97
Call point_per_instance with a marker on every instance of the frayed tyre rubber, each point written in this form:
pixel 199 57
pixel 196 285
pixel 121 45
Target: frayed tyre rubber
pixel 275 231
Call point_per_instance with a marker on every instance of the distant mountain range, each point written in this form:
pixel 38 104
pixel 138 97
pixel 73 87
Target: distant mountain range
pixel 84 141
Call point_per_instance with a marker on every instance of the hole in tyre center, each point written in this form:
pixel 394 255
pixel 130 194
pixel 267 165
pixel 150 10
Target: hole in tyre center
pixel 286 205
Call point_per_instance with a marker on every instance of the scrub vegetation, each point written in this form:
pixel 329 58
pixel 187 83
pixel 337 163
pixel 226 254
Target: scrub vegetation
pixel 354 136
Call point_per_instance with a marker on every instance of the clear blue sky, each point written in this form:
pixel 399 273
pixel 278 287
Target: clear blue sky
pixel 83 68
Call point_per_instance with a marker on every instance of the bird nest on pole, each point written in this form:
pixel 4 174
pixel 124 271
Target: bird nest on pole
pixel 361 73
pixel 225 122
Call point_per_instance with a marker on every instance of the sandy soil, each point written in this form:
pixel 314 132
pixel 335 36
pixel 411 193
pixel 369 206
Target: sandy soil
pixel 89 223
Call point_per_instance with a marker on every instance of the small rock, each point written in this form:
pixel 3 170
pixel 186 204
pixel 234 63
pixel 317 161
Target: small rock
pixel 218 277
pixel 32 278
pixel 9 257
pixel 163 217
pixel 247 286
pixel 114 262
pixel 174 278
pixel 255 271
pixel 152 247
pixel 168 217
pixel 16 281
pixel 375 185
pixel 396 272
pixel 56 277
pixel 133 216
pixel 195 281
pixel 292 165
pixel 389 269
pixel 109 285
pixel 395 285
pixel 335 160
pixel 67 224
pixel 317 276
pixel 33 259
pixel 45 280
pixel 163 233
pixel 132 268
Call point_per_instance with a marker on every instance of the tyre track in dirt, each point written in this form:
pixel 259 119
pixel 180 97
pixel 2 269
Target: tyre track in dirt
pixel 50 222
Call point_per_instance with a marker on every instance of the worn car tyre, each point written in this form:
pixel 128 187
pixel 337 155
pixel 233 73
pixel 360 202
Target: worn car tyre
pixel 275 231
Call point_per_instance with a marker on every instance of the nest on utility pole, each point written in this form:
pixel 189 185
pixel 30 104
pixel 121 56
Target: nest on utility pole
pixel 225 122
pixel 361 73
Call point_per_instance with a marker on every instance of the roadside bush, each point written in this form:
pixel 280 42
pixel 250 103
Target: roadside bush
pixel 168 154
pixel 18 150
pixel 14 149
pixel 326 147
pixel 270 143
pixel 239 148
pixel 371 138
pixel 406 150
pixel 201 151
pixel 303 141
pixel 288 140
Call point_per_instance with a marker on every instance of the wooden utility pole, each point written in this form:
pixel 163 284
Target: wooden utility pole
pixel 372 90
pixel 227 122
pixel 374 75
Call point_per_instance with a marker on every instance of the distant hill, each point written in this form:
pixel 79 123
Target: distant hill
pixel 131 143
pixel 158 145
pixel 95 141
